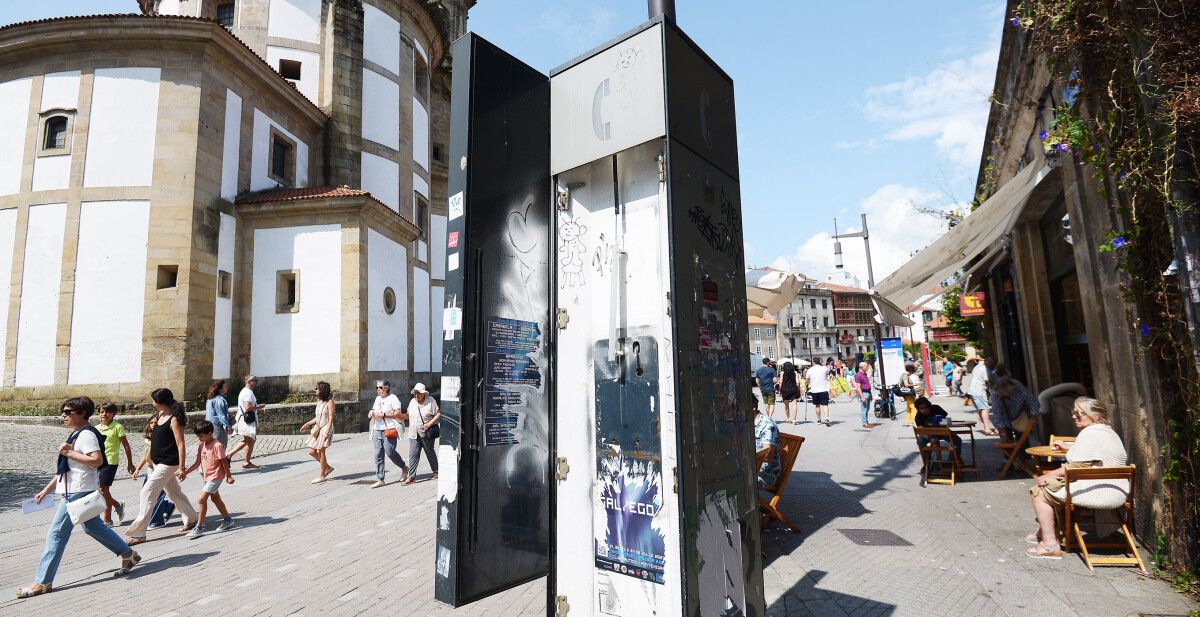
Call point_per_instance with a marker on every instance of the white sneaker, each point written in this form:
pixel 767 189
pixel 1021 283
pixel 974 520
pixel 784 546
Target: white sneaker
pixel 378 483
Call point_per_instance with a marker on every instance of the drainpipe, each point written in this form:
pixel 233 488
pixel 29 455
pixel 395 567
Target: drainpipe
pixel 666 8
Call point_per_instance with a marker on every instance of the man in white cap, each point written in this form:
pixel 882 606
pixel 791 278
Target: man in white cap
pixel 387 418
pixel 423 430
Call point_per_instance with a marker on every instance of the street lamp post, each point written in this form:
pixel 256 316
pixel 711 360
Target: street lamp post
pixel 877 328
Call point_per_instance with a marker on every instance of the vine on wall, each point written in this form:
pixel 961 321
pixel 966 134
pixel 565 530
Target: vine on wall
pixel 1133 69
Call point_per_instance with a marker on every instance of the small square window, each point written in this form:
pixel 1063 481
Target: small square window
pixel 421 213
pixel 168 277
pixel 283 159
pixel 225 14
pixel 287 291
pixel 224 284
pixel 290 69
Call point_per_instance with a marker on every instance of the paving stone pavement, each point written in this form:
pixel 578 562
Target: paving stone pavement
pixel 341 548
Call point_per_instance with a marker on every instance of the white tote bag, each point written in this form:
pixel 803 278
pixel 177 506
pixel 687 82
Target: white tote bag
pixel 86 509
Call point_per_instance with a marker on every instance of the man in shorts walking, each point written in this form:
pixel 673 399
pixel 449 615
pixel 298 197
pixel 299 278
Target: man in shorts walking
pixel 765 377
pixel 818 386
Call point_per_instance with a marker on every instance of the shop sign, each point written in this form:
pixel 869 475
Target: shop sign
pixel 971 305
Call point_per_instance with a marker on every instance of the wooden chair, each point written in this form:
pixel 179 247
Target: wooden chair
pixel 1072 535
pixel 1015 448
pixel 1054 438
pixel 939 442
pixel 1050 463
pixel 789 448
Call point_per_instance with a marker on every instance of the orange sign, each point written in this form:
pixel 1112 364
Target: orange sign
pixel 971 305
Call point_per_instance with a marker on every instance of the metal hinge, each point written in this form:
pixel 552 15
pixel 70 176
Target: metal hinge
pixel 662 168
pixel 561 468
pixel 561 318
pixel 561 607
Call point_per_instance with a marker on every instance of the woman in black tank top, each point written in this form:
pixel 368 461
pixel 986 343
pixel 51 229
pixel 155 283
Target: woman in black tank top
pixel 167 452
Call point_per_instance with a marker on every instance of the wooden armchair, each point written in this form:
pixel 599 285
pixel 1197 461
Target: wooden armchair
pixel 1015 448
pixel 938 452
pixel 789 448
pixel 1073 535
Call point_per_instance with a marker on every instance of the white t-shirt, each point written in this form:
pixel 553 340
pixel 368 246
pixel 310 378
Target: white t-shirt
pixel 818 378
pixel 420 414
pixel 246 396
pixel 384 404
pixel 978 385
pixel 914 380
pixel 80 478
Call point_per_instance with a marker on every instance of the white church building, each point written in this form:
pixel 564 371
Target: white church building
pixel 212 188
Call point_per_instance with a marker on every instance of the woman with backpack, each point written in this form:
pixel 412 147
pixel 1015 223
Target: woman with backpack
pixel 77 480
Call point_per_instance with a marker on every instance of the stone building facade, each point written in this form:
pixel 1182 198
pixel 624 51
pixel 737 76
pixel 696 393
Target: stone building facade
pixel 854 321
pixel 216 188
pixel 807 323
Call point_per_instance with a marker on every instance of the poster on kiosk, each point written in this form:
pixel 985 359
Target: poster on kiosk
pixel 624 400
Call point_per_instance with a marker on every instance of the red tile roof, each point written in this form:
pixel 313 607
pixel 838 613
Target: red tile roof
pixel 315 192
pixel 761 321
pixel 939 322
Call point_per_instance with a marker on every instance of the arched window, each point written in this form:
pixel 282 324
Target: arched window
pixel 55 134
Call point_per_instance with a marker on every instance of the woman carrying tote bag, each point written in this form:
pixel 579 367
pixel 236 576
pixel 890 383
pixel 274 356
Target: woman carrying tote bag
pixel 76 478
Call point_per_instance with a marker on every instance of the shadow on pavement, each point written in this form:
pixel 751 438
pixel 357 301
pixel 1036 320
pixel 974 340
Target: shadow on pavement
pixel 18 485
pixel 812 500
pixel 805 599
pixel 150 566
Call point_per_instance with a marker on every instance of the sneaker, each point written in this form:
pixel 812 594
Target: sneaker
pixel 156 525
pixel 226 525
pixel 378 483
pixel 196 532
pixel 119 510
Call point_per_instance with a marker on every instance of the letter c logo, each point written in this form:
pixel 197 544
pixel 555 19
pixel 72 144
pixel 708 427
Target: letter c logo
pixel 602 129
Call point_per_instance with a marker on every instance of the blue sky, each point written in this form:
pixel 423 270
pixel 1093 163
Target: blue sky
pixel 843 107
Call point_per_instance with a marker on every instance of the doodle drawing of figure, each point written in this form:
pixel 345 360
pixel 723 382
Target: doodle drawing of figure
pixel 570 235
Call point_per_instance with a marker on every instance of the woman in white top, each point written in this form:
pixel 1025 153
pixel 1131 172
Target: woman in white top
pixel 423 430
pixel 1097 441
pixel 387 420
pixel 76 477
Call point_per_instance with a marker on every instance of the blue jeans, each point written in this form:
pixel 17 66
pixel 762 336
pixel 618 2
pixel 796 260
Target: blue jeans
pixel 866 407
pixel 385 446
pixel 60 532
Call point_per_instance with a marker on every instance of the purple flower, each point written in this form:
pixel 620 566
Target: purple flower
pixel 1062 146
pixel 1096 148
pixel 1043 135
pixel 1144 329
pixel 1119 242
pixel 1016 21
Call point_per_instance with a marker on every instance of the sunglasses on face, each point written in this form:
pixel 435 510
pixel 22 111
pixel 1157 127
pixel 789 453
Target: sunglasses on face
pixel 67 412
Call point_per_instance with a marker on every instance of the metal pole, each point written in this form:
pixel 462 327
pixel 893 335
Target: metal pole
pixel 878 329
pixel 666 8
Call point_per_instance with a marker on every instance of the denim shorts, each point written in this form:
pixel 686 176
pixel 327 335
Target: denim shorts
pixel 979 402
pixel 212 486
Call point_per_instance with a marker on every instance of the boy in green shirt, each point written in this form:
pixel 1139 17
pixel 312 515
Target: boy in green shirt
pixel 114 439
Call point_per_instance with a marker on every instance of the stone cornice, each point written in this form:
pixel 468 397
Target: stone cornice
pixel 377 215
pixel 63 35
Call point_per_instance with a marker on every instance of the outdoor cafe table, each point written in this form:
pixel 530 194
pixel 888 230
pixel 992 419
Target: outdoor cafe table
pixel 1046 457
pixel 966 427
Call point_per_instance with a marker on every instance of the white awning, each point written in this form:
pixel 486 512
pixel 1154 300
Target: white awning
pixel 770 290
pixel 887 313
pixel 978 232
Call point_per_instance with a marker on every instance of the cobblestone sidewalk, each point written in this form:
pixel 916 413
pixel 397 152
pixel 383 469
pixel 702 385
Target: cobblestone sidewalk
pixel 341 548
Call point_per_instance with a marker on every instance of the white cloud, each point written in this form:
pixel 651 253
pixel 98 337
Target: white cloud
pixel 897 230
pixel 949 105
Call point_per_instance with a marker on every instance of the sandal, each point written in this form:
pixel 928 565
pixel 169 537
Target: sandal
pixel 35 589
pixel 133 541
pixel 127 563
pixel 409 480
pixel 1041 551
pixel 1033 538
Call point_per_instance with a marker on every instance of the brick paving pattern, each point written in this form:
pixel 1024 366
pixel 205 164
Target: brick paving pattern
pixel 341 548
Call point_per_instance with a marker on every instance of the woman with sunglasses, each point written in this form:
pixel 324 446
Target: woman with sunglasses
pixel 1097 441
pixel 76 477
